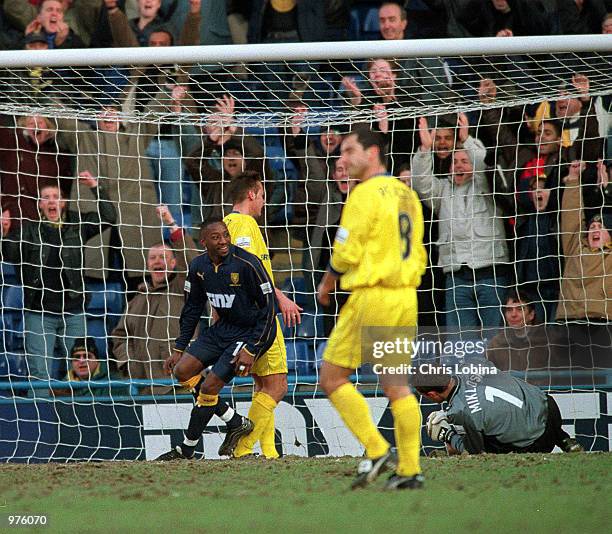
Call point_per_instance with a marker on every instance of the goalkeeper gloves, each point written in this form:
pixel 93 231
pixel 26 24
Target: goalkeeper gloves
pixel 438 427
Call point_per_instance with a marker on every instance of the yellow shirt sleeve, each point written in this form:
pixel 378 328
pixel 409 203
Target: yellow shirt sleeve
pixel 380 238
pixel 245 233
pixel 352 233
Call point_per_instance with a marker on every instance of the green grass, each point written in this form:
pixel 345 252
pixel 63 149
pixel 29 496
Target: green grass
pixel 513 493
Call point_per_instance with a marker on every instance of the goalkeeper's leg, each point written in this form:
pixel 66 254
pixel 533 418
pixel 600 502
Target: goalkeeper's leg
pixel 269 391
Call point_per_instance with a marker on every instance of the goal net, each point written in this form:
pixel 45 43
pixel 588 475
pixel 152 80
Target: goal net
pixel 110 162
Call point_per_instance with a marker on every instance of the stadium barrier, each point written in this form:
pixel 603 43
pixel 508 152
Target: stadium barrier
pixel 142 427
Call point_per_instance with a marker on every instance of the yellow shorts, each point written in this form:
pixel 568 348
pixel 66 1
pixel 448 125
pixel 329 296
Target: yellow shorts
pixel 369 307
pixel 274 361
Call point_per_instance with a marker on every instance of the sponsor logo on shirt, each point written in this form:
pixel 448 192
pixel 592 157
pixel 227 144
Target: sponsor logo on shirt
pixel 219 300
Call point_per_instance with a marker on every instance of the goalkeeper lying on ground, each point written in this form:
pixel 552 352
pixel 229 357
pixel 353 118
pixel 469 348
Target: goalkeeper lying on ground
pixel 494 413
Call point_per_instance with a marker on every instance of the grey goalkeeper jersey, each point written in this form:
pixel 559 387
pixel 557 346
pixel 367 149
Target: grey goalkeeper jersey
pixel 498 412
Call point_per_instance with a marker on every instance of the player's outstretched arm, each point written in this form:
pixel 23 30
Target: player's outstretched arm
pixel 289 309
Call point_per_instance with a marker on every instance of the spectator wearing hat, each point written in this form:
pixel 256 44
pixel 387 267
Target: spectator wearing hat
pixel 36 41
pixel 67 83
pixel 86 366
pixel 33 83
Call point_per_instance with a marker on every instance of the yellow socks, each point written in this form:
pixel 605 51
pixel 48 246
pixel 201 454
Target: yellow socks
pixel 355 413
pixel 207 400
pixel 261 411
pixel 268 441
pixel 407 423
pixel 192 382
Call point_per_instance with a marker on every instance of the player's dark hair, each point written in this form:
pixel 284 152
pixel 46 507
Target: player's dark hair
pixel 242 184
pixel 368 138
pixel 556 124
pixel 208 222
pixel 434 379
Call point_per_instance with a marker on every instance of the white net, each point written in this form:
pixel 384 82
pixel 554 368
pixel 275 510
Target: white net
pixel 488 142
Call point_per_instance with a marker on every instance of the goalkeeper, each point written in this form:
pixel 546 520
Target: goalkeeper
pixel 495 413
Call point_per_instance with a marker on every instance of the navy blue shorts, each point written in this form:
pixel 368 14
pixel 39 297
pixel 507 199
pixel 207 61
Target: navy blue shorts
pixel 217 346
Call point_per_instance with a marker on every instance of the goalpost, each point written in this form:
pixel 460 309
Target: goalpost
pixel 174 125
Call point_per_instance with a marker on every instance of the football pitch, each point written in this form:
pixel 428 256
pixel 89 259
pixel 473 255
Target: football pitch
pixel 512 493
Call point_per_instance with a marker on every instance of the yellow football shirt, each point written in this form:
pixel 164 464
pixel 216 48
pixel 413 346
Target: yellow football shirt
pixel 380 238
pixel 245 233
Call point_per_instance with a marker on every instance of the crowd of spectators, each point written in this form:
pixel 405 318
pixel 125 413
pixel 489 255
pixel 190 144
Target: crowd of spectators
pixel 513 196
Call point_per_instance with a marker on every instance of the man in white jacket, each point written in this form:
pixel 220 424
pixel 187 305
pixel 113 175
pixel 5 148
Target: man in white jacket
pixel 472 242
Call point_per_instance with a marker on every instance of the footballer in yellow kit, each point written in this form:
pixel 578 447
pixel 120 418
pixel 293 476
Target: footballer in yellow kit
pixel 270 370
pixel 380 225
pixel 378 255
pixel 245 233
